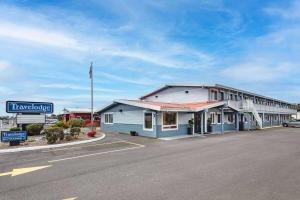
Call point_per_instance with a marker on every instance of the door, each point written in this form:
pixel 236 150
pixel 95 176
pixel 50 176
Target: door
pixel 241 123
pixel 197 122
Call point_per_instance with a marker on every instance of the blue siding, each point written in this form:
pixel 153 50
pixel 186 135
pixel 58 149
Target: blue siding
pixel 216 128
pixel 182 130
pixel 126 128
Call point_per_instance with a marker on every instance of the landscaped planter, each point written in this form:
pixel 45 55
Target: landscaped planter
pixel 91 133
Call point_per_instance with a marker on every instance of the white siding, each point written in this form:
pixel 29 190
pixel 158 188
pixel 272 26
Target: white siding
pixel 178 95
pixel 127 117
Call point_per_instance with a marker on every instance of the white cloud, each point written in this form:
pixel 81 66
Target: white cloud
pixel 258 71
pixel 143 81
pixel 3 65
pixel 76 87
pixel 38 35
pixel 290 12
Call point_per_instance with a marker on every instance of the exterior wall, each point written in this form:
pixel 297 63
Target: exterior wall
pixel 216 128
pixel 130 119
pixel 183 119
pixel 179 95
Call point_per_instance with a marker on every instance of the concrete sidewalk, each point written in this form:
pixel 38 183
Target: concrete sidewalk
pixel 51 146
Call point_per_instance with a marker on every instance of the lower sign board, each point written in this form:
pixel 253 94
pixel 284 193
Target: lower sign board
pixel 9 136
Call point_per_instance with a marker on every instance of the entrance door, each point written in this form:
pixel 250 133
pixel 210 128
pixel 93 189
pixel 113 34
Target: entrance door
pixel 241 123
pixel 197 122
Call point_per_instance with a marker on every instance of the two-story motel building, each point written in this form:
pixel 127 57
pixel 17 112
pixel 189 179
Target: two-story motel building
pixel 168 110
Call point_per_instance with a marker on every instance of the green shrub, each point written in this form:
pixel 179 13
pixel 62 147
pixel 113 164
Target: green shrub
pixel 75 132
pixel 53 134
pixel 68 137
pixel 61 124
pixel 34 129
pixel 76 123
pixel 15 129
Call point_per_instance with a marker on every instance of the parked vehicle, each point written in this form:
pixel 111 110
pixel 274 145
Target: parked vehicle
pixel 292 123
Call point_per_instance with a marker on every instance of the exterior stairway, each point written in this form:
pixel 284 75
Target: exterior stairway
pixel 246 106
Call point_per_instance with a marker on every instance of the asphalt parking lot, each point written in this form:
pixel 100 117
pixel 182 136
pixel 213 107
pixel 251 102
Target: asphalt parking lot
pixel 246 165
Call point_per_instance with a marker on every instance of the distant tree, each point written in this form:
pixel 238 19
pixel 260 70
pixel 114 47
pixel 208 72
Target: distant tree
pixel 298 107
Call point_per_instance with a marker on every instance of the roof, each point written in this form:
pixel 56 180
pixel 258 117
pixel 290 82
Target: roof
pixel 219 86
pixel 163 106
pixel 76 110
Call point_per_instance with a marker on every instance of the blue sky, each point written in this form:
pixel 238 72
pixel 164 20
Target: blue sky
pixel 137 46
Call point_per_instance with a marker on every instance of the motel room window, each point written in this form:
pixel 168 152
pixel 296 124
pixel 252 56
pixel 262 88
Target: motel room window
pixel 148 121
pixel 212 116
pixel 169 120
pixel 230 118
pixel 219 118
pixel 108 118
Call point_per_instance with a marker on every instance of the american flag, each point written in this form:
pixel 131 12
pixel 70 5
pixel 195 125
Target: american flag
pixel 91 71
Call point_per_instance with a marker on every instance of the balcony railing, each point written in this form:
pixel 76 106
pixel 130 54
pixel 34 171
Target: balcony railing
pixel 245 106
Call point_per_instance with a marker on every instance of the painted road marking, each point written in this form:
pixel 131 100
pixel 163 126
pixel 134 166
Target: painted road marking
pixel 99 153
pixel 16 172
pixel 72 198
pixel 91 145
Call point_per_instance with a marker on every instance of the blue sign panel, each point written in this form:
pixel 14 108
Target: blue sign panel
pixel 8 136
pixel 28 107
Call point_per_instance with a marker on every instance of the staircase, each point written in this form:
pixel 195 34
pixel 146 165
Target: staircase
pixel 248 106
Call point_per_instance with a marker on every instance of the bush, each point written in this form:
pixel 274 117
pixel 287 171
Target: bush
pixel 53 134
pixel 61 124
pixel 75 132
pixel 76 123
pixel 15 129
pixel 68 137
pixel 34 129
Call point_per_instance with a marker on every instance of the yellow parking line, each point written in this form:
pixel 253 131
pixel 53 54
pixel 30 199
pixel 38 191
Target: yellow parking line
pixel 91 145
pixel 140 145
pixel 94 154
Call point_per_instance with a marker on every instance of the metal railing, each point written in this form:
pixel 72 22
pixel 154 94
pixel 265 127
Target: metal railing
pixel 245 105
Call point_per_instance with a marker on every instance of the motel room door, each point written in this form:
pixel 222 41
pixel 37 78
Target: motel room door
pixel 197 122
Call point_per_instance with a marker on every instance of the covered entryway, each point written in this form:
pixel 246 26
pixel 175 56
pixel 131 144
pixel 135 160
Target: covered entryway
pixel 197 122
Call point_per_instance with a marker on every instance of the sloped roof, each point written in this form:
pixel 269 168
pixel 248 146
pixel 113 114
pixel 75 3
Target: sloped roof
pixel 76 110
pixel 165 106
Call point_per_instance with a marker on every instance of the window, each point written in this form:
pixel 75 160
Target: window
pixel 214 95
pixel 148 120
pixel 212 117
pixel 219 118
pixel 230 118
pixel 222 96
pixel 108 118
pixel 169 120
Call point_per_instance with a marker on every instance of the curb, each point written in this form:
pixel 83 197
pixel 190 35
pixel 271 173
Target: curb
pixel 50 146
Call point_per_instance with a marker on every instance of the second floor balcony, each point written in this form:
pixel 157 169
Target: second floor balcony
pixel 247 106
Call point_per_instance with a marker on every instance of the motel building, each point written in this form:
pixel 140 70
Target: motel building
pixel 172 109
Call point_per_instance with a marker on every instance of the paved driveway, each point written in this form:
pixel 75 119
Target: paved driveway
pixel 246 165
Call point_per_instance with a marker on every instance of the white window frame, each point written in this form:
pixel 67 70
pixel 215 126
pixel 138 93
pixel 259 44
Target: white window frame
pixel 144 128
pixel 109 113
pixel 213 92
pixel 233 118
pixel 162 122
pixel 213 116
pixel 217 114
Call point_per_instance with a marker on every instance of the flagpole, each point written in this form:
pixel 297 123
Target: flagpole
pixel 92 96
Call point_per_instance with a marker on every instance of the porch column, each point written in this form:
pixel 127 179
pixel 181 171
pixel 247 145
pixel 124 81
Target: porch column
pixel 263 119
pixel 202 122
pixel 222 120
pixel 205 120
pixel 237 124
